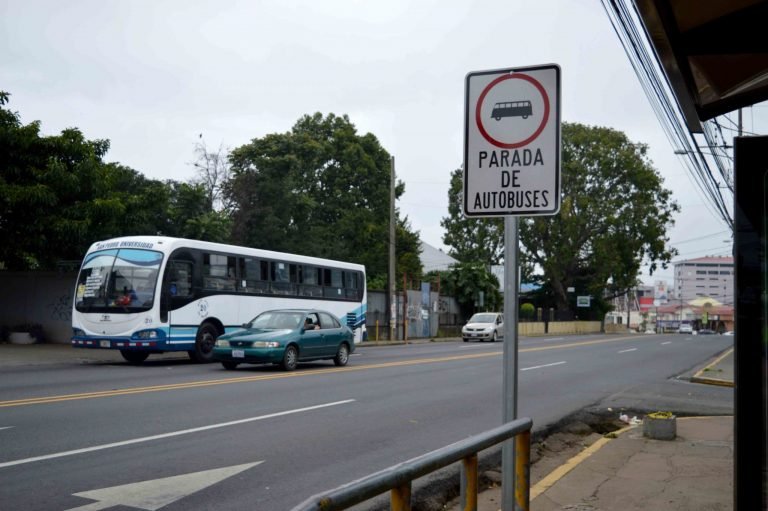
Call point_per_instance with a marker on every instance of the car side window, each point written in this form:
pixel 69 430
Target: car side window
pixel 328 321
pixel 311 322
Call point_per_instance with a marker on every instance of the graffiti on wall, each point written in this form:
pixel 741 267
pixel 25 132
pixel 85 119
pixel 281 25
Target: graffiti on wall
pixel 61 308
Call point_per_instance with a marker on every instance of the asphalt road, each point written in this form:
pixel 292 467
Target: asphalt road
pixel 178 436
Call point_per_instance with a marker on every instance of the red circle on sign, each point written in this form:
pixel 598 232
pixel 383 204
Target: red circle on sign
pixel 479 121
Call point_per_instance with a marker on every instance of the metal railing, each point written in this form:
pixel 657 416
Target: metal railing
pixel 397 479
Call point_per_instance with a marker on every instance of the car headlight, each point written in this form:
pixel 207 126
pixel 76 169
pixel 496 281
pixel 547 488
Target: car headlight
pixel 265 344
pixel 221 343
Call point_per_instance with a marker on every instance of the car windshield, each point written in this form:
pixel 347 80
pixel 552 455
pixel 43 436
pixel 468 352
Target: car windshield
pixel 116 281
pixel 278 320
pixel 483 318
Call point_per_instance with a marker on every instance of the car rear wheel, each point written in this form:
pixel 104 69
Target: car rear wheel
pixel 290 358
pixel 342 356
pixel 229 366
pixel 134 357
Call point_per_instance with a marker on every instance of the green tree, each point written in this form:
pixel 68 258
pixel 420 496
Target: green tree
pixel 322 190
pixel 58 196
pixel 47 189
pixel 471 239
pixel 614 215
pixel 466 282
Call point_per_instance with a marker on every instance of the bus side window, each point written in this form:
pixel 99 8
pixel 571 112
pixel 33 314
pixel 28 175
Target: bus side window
pixel 180 279
pixel 332 284
pixel 281 280
pixel 253 275
pixel 219 272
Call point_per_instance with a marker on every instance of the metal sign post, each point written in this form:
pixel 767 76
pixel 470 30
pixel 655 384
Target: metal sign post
pixel 512 168
pixel 510 357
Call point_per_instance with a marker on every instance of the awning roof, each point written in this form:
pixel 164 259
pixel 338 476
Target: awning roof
pixel 714 52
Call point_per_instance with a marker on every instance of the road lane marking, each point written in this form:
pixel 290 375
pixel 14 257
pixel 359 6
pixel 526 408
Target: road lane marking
pixel 545 365
pixel 154 494
pixel 298 374
pixel 668 342
pixel 169 434
pixel 627 351
pixel 5 427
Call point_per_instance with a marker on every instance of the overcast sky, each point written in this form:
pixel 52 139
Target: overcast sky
pixel 151 76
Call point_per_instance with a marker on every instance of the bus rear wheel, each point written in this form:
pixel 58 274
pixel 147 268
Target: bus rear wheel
pixel 134 357
pixel 204 342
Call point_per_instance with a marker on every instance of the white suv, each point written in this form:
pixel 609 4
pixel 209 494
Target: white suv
pixel 685 329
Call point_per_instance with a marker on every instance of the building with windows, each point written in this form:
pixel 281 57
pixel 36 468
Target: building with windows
pixel 704 277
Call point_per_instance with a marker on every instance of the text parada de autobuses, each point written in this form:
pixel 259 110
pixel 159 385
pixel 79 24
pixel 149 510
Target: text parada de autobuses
pixel 510 196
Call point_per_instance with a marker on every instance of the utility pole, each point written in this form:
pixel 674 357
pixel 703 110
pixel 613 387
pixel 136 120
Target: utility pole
pixel 391 298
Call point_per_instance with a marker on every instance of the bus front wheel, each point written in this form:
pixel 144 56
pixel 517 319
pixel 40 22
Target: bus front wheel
pixel 204 342
pixel 134 357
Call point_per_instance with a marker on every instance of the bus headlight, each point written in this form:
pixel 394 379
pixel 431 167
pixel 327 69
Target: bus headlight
pixel 221 343
pixel 146 334
pixel 76 332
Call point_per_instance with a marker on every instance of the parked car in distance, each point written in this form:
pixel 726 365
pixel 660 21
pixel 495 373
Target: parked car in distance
pixel 484 326
pixel 706 331
pixel 729 332
pixel 286 337
pixel 685 329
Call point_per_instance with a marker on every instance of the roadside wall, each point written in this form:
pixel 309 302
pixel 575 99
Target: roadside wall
pixel 574 327
pixel 558 327
pixel 38 297
pixel 426 314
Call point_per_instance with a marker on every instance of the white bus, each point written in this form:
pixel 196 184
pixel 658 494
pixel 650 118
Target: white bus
pixel 153 294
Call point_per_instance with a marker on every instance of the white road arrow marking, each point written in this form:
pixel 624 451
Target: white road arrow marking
pixel 156 493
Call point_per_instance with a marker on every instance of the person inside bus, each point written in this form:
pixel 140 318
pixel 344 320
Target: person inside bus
pixel 309 325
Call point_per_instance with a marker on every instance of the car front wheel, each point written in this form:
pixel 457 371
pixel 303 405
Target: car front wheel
pixel 290 358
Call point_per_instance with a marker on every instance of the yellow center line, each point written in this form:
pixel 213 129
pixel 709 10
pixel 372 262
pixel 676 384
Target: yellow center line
pixel 246 379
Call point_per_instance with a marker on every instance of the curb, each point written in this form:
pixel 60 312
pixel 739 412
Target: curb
pixel 698 378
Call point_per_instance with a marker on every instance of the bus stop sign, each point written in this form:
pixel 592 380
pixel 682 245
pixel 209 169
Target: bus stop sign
pixel 512 142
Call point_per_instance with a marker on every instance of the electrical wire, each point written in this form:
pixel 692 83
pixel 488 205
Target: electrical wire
pixel 634 38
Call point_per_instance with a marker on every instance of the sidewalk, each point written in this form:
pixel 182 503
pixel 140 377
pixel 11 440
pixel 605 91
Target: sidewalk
pixel 633 473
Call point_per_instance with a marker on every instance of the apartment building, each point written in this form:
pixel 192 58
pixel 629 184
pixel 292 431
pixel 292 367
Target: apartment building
pixel 704 276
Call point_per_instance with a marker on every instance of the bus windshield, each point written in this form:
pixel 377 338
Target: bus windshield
pixel 119 280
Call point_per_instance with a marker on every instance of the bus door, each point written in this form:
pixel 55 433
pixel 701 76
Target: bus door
pixel 178 291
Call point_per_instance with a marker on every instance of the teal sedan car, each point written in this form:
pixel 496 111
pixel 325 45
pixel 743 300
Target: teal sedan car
pixel 286 337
